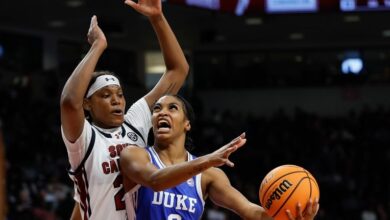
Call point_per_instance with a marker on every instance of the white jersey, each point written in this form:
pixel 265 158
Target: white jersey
pixel 94 159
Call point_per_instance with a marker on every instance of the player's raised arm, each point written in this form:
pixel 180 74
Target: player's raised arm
pixel 175 61
pixel 137 166
pixel 72 97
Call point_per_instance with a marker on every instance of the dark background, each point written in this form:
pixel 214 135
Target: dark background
pixel 275 76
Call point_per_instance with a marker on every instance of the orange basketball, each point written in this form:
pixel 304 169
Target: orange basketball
pixel 283 187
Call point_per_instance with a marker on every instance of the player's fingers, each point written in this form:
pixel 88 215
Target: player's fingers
pixel 230 150
pixel 241 143
pixel 93 24
pixel 229 163
pixel 289 214
pixel 309 207
pixel 132 4
pixel 317 206
pixel 235 140
pixel 299 211
pixel 93 19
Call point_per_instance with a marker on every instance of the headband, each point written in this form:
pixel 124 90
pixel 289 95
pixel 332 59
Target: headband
pixel 102 81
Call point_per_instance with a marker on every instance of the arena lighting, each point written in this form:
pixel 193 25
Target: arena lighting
pixel 56 23
pixel 241 7
pixel 253 7
pixel 1 51
pixel 352 66
pixel 283 6
pixel 351 18
pixel 386 33
pixel 253 21
pixel 366 5
pixel 209 4
pixel 74 3
pixel 296 36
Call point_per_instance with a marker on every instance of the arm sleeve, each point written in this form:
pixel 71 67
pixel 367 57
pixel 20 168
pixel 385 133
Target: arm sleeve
pixel 76 150
pixel 140 117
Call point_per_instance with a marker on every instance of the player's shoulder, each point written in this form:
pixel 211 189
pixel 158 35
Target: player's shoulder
pixel 133 151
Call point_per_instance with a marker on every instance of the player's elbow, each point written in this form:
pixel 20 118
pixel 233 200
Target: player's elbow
pixel 181 69
pixel 69 101
pixel 185 68
pixel 157 188
pixel 157 184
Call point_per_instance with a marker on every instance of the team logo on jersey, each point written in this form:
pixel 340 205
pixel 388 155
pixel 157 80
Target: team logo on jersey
pixel 133 136
pixel 118 135
pixel 190 182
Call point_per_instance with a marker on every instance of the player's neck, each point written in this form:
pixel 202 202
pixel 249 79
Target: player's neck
pixel 172 153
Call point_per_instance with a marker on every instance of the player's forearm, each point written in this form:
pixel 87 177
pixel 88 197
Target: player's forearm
pixel 76 86
pixel 254 212
pixel 236 202
pixel 172 52
pixel 176 174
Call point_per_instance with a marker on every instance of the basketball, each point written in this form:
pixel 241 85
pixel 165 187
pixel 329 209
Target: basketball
pixel 283 187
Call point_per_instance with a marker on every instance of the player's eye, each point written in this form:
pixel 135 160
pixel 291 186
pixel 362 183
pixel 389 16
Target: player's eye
pixel 156 108
pixel 173 106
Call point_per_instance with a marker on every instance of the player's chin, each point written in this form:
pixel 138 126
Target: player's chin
pixel 117 121
pixel 162 136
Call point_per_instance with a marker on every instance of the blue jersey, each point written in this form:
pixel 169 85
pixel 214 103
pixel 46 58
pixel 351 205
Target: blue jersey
pixel 185 201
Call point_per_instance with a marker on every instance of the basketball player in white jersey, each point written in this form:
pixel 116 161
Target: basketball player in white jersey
pixel 94 145
pixel 166 182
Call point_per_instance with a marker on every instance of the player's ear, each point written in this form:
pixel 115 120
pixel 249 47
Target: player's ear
pixel 187 125
pixel 86 104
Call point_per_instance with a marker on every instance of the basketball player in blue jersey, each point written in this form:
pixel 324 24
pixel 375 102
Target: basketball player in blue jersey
pixel 166 182
pixel 94 145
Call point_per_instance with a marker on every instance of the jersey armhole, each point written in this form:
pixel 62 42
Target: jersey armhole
pixel 89 150
pixel 136 131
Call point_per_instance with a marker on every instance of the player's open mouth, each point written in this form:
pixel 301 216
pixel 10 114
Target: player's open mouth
pixel 163 125
pixel 117 112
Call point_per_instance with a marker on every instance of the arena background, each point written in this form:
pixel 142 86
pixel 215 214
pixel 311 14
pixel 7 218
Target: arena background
pixel 277 76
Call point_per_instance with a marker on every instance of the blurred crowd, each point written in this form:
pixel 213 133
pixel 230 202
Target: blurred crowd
pixel 349 155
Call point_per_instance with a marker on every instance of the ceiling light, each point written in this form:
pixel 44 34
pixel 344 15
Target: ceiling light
pixel 253 21
pixel 296 36
pixel 74 3
pixel 386 33
pixel 351 18
pixel 56 24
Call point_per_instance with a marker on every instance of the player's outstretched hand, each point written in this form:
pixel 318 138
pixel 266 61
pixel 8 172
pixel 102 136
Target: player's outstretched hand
pixel 149 8
pixel 220 157
pixel 311 211
pixel 95 34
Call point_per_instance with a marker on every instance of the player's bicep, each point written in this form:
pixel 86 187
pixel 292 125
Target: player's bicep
pixel 136 165
pixel 72 121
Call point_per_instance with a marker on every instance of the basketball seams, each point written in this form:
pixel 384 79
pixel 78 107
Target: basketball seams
pixel 271 184
pixel 288 197
pixel 310 187
pixel 312 181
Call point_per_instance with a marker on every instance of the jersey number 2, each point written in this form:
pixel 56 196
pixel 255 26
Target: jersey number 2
pixel 119 196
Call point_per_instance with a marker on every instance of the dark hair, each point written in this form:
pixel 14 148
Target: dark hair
pixel 95 75
pixel 190 115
